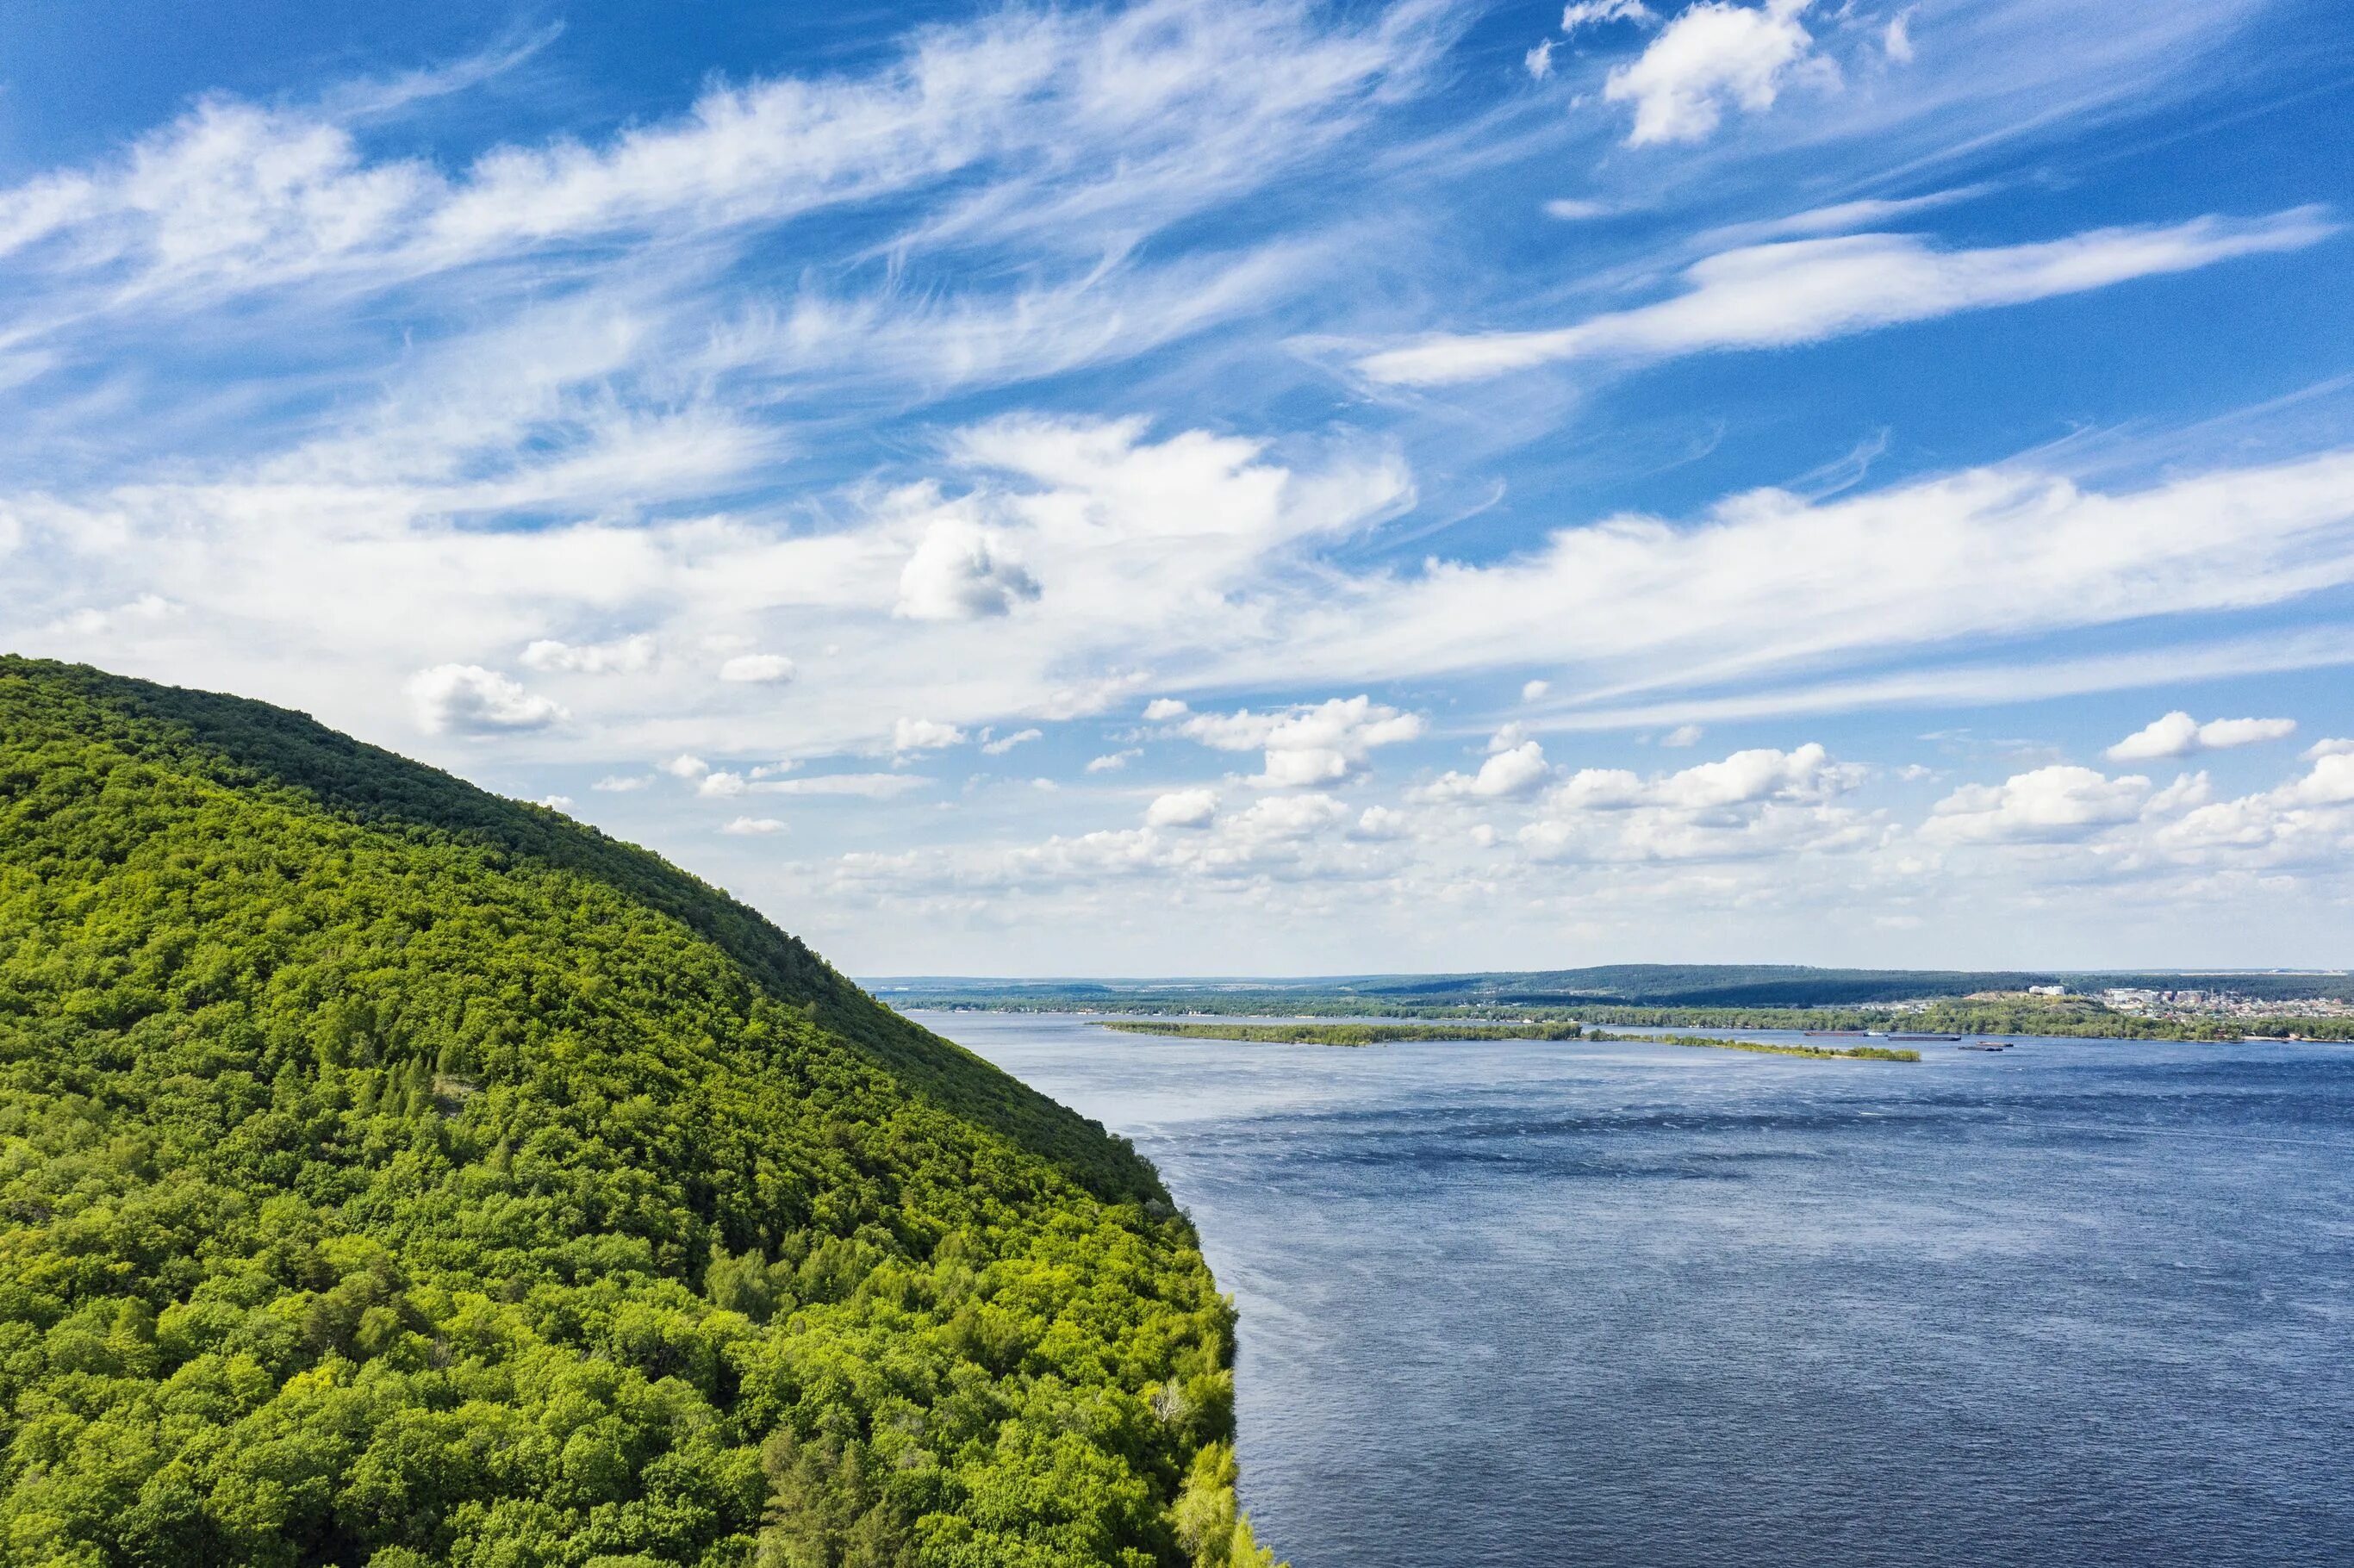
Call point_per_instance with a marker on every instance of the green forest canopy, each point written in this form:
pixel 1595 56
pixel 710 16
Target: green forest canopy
pixel 393 1175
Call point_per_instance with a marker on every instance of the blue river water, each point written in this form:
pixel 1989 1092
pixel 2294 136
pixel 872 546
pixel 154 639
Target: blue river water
pixel 1523 1305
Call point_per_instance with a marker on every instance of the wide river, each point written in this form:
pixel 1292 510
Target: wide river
pixel 1538 1304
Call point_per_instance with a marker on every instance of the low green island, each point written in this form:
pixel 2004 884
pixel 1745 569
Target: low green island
pixel 1770 1048
pixel 1344 1034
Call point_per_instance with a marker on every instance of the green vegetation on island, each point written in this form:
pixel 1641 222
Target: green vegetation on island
pixel 394 1176
pixel 1772 1047
pixel 1347 1034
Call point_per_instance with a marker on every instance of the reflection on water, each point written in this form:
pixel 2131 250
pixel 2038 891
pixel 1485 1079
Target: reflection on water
pixel 1535 1304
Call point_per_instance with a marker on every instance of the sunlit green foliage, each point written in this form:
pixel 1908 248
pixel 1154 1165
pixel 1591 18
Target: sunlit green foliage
pixel 1773 1047
pixel 394 1176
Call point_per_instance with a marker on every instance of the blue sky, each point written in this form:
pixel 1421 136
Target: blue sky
pixel 1245 487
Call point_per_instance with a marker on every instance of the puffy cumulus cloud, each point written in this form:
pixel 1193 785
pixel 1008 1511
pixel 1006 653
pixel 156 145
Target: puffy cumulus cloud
pixel 1182 809
pixel 754 827
pixel 1755 802
pixel 1533 691
pixel 2308 821
pixel 1806 290
pixel 624 656
pixel 685 765
pixel 1381 823
pixel 1712 57
pixel 757 668
pixel 2330 747
pixel 924 735
pixel 466 699
pixel 2055 804
pixel 999 744
pixel 1113 761
pixel 1683 735
pixel 1305 746
pixel 1515 768
pixel 961 571
pixel 1538 61
pixel 2179 735
pixel 722 784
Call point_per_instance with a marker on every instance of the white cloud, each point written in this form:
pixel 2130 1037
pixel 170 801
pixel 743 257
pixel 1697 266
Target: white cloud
pixel 1805 290
pixel 961 572
pixel 721 784
pixel 556 802
pixel 1530 691
pixel 1005 743
pixel 1381 823
pixel 1538 61
pixel 754 827
pixel 685 766
pixel 758 669
pixel 1756 802
pixel 1182 809
pixel 1574 209
pixel 924 735
pixel 1178 106
pixel 467 699
pixel 2179 735
pixel 1581 14
pixel 1307 745
pixel 1711 56
pixel 1896 38
pixel 1112 762
pixel 626 656
pixel 1160 709
pixel 1682 735
pixel 2308 821
pixel 2057 803
pixel 1516 766
pixel 2330 747
pixel 865 786
pixel 618 784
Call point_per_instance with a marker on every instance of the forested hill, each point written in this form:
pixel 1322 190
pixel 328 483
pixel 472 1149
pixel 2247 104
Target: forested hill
pixel 394 1175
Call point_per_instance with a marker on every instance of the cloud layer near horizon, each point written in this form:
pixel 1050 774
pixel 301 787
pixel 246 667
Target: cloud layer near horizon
pixel 1097 392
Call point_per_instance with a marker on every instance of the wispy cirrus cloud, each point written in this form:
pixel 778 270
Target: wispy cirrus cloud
pixel 1768 296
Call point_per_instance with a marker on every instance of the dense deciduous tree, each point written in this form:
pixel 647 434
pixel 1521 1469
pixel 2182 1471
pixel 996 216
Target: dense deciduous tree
pixel 393 1175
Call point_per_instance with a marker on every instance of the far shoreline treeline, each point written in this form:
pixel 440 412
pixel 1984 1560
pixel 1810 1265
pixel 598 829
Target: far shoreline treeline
pixel 2074 1016
pixel 1345 1033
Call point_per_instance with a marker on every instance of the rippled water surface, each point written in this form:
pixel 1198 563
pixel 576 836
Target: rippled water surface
pixel 1536 1304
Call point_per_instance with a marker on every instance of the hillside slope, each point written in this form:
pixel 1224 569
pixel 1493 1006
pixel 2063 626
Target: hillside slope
pixel 391 1174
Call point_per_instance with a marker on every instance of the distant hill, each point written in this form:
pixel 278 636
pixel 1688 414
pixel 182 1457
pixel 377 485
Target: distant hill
pixel 1630 985
pixel 395 1175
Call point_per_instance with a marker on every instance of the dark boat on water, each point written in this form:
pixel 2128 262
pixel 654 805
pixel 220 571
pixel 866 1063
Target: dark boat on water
pixel 1924 1037
pixel 1837 1033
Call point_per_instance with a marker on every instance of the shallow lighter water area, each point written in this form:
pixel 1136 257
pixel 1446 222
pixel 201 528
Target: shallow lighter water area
pixel 1533 1304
